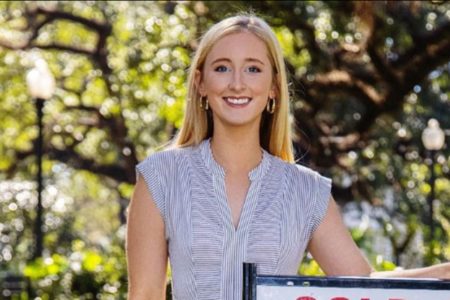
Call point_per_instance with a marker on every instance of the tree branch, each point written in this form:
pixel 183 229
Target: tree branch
pixel 341 80
pixel 53 14
pixel 70 157
pixel 433 56
pixel 373 43
pixel 61 47
pixel 422 42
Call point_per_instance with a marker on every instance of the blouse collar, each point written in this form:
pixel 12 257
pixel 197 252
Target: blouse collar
pixel 255 174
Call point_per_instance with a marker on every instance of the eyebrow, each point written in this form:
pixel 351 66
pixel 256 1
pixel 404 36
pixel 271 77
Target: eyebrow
pixel 248 59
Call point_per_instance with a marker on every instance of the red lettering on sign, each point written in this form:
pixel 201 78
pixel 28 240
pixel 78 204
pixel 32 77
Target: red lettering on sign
pixel 340 298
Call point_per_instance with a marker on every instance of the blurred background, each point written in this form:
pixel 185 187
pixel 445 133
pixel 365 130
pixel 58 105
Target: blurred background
pixel 88 89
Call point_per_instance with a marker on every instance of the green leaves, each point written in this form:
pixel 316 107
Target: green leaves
pixel 85 272
pixel 48 267
pixel 363 83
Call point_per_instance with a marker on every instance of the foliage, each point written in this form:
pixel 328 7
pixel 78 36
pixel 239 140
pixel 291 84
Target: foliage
pixel 81 261
pixel 86 274
pixel 365 78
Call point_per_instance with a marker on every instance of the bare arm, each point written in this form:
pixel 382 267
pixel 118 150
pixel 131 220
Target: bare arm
pixel 441 271
pixel 333 248
pixel 146 247
pixel 337 254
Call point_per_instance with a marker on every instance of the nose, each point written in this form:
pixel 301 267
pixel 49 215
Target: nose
pixel 236 82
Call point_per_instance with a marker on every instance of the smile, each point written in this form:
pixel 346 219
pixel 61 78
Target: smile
pixel 237 100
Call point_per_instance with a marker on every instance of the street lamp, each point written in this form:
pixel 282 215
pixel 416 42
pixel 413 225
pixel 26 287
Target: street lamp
pixel 433 138
pixel 41 87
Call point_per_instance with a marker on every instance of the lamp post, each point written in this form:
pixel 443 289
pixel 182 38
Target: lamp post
pixel 41 86
pixel 433 138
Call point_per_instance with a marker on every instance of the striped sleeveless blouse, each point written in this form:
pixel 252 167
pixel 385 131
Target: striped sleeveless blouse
pixel 283 206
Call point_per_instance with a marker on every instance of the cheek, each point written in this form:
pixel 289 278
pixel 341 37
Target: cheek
pixel 215 83
pixel 262 85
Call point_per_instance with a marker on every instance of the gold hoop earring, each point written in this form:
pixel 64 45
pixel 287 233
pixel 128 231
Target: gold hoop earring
pixel 271 104
pixel 204 98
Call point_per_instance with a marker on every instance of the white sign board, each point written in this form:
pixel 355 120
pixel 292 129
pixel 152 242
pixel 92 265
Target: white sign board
pixel 264 292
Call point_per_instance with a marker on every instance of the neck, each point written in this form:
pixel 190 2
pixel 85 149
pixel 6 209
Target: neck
pixel 236 151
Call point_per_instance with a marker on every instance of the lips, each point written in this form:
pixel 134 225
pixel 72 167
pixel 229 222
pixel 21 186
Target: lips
pixel 237 101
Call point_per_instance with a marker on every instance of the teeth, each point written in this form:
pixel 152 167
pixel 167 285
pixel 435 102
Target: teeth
pixel 238 100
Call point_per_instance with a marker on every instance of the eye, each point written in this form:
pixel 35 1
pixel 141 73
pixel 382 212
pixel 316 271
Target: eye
pixel 253 69
pixel 221 69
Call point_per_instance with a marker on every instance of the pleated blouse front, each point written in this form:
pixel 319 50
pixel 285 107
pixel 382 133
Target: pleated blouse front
pixel 283 206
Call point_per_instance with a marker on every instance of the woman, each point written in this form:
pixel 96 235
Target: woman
pixel 229 191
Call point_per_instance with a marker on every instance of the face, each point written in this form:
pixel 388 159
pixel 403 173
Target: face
pixel 237 78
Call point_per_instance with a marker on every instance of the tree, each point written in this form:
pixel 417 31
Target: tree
pixel 365 78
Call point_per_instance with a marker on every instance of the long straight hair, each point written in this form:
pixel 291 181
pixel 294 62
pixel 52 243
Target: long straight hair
pixel 275 129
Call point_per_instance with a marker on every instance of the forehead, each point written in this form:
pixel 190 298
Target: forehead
pixel 239 45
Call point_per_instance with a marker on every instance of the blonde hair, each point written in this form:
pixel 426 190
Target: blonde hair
pixel 275 130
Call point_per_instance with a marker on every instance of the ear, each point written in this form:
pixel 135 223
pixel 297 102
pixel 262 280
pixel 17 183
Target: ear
pixel 198 81
pixel 273 91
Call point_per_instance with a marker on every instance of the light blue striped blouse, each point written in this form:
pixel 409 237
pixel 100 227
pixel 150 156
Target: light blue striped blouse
pixel 284 204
